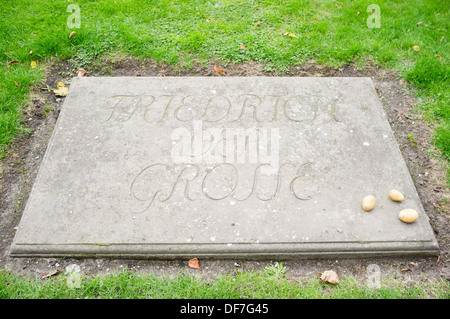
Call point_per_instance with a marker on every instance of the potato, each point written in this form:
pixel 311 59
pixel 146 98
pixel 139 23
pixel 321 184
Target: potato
pixel 368 203
pixel 408 215
pixel 396 196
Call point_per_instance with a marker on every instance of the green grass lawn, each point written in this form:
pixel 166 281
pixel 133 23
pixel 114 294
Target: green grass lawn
pixel 328 32
pixel 190 31
pixel 269 283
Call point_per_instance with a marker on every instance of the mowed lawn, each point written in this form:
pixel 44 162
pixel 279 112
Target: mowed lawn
pixel 271 282
pixel 412 38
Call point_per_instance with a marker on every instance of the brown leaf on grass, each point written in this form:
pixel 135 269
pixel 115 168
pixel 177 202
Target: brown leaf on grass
pixel 441 39
pixel 81 73
pixel 53 273
pixel 416 48
pixel 17 84
pixel 72 34
pixel 219 70
pixel 330 277
pixel 258 24
pixel 31 52
pixel 37 35
pixel 419 23
pixel 193 263
pixel 439 57
pixel 242 47
pixel 12 62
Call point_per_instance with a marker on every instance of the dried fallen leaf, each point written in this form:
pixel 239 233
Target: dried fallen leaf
pixel 81 73
pixel 419 23
pixel 53 273
pixel 61 89
pixel 439 57
pixel 72 34
pixel 290 34
pixel 378 92
pixel 416 48
pixel 218 70
pixel 258 24
pixel 330 276
pixel 33 64
pixel 405 270
pixel 12 62
pixel 17 84
pixel 31 52
pixel 193 263
pixel 441 39
pixel 242 47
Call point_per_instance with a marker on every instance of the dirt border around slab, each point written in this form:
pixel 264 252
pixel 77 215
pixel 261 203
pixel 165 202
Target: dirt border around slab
pixel 19 168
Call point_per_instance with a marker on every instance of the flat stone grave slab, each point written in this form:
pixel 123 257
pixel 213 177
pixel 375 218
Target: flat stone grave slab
pixel 226 167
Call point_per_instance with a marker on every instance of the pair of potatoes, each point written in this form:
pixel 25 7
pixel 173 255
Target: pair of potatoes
pixel 407 215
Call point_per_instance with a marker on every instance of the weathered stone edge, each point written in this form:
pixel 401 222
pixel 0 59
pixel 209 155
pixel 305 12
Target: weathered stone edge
pixel 227 251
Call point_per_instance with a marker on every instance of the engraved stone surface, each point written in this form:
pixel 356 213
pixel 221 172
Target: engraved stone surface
pixel 252 167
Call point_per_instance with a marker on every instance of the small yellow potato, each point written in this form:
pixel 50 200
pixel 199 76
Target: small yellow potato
pixel 368 203
pixel 408 215
pixel 396 196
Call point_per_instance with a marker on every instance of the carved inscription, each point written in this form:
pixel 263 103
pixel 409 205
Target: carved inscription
pixel 219 108
pixel 159 182
pixel 186 176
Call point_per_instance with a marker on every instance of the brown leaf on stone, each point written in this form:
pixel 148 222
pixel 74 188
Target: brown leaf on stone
pixel 218 70
pixel 330 276
pixel 193 263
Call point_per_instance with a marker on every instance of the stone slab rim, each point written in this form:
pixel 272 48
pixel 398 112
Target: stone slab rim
pixel 261 250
